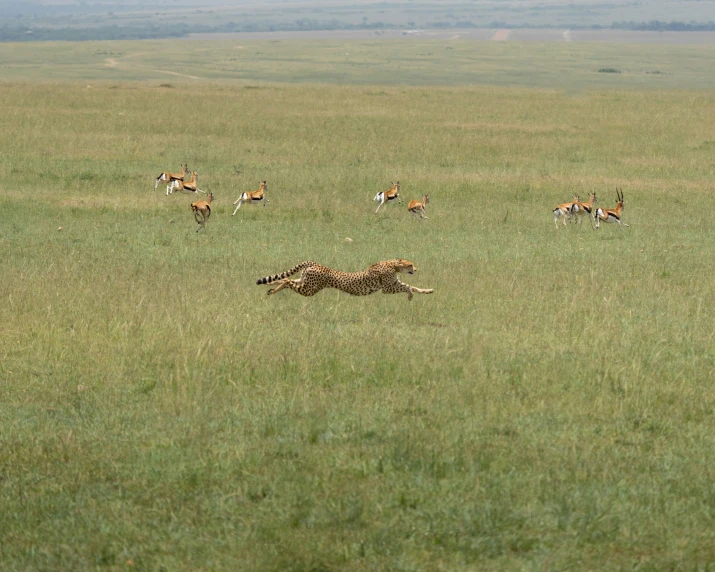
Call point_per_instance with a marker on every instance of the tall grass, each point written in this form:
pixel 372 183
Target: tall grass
pixel 549 406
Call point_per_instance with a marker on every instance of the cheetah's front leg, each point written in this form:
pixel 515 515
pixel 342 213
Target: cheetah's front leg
pixel 398 287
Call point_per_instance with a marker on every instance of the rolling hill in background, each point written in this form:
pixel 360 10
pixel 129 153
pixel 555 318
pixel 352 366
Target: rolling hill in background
pixel 113 20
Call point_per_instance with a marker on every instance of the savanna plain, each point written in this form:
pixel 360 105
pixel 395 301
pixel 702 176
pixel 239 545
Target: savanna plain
pixel 550 406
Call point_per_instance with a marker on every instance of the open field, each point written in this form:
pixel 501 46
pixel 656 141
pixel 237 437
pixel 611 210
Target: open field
pixel 550 406
pixel 572 67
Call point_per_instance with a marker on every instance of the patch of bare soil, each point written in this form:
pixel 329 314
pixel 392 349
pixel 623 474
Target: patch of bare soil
pixel 501 35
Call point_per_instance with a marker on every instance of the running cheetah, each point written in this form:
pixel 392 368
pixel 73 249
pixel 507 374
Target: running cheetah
pixel 314 277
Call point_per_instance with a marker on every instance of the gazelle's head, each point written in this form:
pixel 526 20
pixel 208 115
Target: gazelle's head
pixel 425 199
pixel 263 186
pixel 619 196
pixel 592 197
pixel 395 186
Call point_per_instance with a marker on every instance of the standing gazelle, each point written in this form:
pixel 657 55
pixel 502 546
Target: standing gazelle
pixel 418 207
pixel 202 211
pixel 388 196
pixel 252 196
pixel 564 210
pixel 611 215
pixel 167 177
pixel 579 209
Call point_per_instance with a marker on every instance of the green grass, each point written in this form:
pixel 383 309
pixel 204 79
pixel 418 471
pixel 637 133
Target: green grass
pixel 550 406
pixel 570 67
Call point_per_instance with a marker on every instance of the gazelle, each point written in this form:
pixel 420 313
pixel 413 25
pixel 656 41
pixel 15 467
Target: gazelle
pixel 581 209
pixel 188 186
pixel 564 210
pixel 417 207
pixel 178 184
pixel 611 215
pixel 254 196
pixel 167 177
pixel 202 211
pixel 388 196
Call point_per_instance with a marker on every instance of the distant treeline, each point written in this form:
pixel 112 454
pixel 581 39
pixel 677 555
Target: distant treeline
pixel 652 26
pixel 658 26
pixel 145 32
pixel 18 34
pixel 158 31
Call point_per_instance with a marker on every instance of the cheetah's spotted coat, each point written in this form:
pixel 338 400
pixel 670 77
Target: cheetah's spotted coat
pixel 314 277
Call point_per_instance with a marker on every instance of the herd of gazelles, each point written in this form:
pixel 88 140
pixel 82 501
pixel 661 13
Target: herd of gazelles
pixel 202 208
pixel 578 209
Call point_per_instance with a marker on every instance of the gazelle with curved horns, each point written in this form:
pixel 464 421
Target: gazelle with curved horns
pixel 388 196
pixel 202 211
pixel 167 177
pixel 418 207
pixel 252 196
pixel 564 210
pixel 189 187
pixel 611 215
pixel 579 209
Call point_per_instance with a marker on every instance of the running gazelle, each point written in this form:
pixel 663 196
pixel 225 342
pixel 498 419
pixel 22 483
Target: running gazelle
pixel 167 177
pixel 202 211
pixel 252 196
pixel 388 196
pixel 611 215
pixel 564 210
pixel 188 186
pixel 418 207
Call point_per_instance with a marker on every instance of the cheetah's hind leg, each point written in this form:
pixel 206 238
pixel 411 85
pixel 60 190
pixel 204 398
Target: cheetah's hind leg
pixel 285 283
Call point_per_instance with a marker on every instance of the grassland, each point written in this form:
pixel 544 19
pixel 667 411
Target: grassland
pixel 570 67
pixel 550 406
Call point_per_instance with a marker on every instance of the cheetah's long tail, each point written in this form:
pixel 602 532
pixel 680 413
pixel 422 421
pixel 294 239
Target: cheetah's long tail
pixel 282 275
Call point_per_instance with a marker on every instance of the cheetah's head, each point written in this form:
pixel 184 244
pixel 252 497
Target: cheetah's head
pixel 402 265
